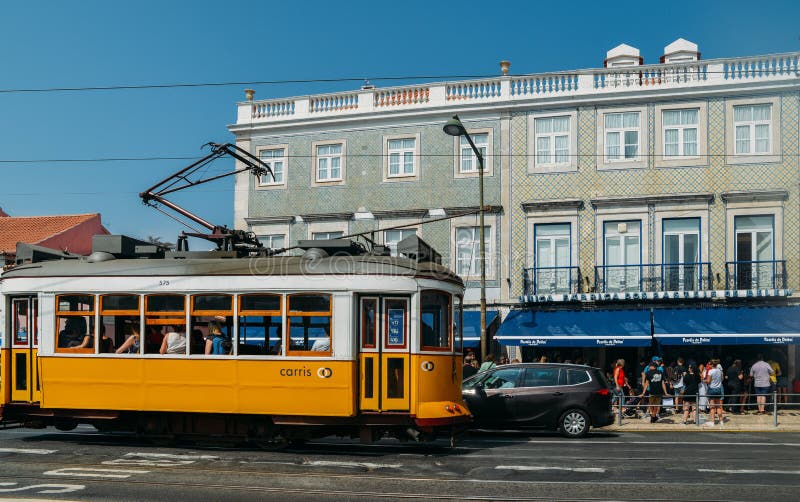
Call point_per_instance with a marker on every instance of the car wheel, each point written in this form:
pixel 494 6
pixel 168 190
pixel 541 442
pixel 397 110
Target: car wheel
pixel 574 423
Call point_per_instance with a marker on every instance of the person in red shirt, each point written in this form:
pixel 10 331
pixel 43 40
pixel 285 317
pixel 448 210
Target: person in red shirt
pixel 620 382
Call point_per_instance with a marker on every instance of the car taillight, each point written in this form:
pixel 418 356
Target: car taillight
pixel 602 392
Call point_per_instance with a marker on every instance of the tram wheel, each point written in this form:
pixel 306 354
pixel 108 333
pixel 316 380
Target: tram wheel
pixel 274 444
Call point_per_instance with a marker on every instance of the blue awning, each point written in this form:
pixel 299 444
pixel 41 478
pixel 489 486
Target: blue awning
pixel 576 328
pixel 728 326
pixel 472 326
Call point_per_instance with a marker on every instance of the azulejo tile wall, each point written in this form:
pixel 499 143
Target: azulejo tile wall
pixel 716 177
pixel 364 185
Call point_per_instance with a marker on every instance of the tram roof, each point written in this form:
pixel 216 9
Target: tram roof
pixel 261 266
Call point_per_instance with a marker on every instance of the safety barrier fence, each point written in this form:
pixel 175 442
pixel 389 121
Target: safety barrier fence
pixel 635 405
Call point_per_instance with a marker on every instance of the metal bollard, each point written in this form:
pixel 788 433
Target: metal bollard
pixel 775 408
pixel 697 409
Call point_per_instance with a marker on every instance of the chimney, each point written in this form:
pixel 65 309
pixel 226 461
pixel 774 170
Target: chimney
pixel 623 55
pixel 679 51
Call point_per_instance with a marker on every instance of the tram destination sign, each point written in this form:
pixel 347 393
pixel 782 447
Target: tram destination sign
pixel 655 295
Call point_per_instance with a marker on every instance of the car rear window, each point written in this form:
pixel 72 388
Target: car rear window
pixel 575 377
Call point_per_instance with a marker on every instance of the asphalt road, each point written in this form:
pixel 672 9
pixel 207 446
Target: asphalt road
pixel 85 465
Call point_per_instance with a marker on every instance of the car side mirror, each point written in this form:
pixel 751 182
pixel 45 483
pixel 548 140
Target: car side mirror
pixel 480 390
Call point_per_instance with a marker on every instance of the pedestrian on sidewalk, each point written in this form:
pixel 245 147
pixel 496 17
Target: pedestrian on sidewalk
pixel 677 371
pixel 761 372
pixel 715 393
pixel 734 377
pixel 656 386
pixel 702 401
pixel 691 381
pixel 620 383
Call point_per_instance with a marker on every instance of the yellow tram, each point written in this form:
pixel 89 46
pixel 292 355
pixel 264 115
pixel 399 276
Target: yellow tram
pixel 273 348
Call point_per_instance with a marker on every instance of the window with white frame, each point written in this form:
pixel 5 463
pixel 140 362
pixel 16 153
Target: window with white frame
pixel 468 161
pixel 273 241
pixel 552 140
pixel 276 159
pixel 321 236
pixel 402 157
pixel 553 258
pixel 755 252
pixel 753 128
pixel 468 253
pixel 622 256
pixel 392 237
pixel 622 134
pixel 680 132
pixel 329 162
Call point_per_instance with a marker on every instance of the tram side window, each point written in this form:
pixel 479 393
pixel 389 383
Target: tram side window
pixel 310 324
pixel 212 322
pixel 165 324
pixel 260 325
pixel 119 324
pixel 75 323
pixel 435 320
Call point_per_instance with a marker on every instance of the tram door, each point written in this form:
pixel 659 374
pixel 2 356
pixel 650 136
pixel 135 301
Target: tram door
pixel 24 331
pixel 384 357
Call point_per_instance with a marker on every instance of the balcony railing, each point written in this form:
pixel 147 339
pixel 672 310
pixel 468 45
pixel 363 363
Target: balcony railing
pixel 525 88
pixel 551 280
pixel 769 274
pixel 653 277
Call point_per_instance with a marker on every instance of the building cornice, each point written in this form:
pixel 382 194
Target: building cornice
pixel 645 200
pixel 552 205
pixel 754 196
pixel 455 211
pixel 268 220
pixel 400 213
pixel 327 217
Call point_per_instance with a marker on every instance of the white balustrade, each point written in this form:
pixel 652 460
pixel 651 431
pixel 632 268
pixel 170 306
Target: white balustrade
pixel 541 85
pixel 391 98
pixel 462 91
pixel 333 103
pixel 269 109
pixel 528 88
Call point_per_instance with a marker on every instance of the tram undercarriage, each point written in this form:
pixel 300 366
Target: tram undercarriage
pixel 269 432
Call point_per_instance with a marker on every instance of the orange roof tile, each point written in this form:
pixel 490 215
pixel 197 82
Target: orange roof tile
pixel 34 229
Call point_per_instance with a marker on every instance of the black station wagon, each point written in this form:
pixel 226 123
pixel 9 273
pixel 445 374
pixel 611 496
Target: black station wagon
pixel 565 397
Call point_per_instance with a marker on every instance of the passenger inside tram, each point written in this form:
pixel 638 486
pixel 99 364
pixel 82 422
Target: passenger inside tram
pixel 132 340
pixel 74 332
pixel 174 341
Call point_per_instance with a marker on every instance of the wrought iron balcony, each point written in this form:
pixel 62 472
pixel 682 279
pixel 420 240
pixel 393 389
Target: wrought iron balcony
pixel 551 280
pixel 653 277
pixel 768 274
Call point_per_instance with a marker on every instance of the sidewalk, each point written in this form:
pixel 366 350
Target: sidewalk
pixel 788 421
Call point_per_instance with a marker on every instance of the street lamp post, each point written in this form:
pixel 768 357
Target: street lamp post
pixel 454 127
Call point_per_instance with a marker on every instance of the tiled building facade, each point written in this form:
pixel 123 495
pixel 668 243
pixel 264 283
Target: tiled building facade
pixel 679 177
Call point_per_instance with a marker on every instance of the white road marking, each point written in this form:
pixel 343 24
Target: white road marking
pixel 548 468
pixel 32 451
pixel 158 459
pixel 680 442
pixel 748 471
pixel 90 472
pixel 48 488
pixel 171 456
pixel 366 465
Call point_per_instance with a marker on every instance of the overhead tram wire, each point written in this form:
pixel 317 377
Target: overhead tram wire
pixel 130 87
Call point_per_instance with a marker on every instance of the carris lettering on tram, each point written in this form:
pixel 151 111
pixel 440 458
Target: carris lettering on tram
pixel 295 372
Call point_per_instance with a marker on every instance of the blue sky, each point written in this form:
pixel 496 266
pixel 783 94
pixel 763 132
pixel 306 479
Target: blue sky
pixel 100 43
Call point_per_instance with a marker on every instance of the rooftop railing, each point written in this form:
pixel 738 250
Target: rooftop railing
pixel 525 88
